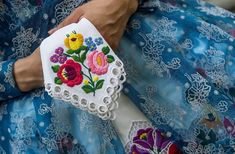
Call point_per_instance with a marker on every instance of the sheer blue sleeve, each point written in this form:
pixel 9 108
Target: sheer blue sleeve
pixel 8 87
pixel 146 5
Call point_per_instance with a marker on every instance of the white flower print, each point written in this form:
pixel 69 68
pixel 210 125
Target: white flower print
pixel 23 9
pixel 8 75
pixel 23 41
pixel 24 129
pixel 164 31
pixel 216 11
pixel 222 106
pixel 160 5
pixel 91 122
pixel 198 92
pixel 63 9
pixel 213 63
pixel 194 148
pixel 212 32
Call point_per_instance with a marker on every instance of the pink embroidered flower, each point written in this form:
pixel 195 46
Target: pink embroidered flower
pixel 97 62
pixel 70 73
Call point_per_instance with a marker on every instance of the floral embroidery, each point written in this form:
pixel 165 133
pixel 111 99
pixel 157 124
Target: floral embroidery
pixel 73 41
pixel 198 92
pixel 90 44
pixel 150 140
pixel 98 63
pixel 99 41
pixel 58 56
pixel 79 65
pixel 70 73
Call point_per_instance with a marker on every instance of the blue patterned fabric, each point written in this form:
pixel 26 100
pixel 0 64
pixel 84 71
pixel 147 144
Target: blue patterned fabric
pixel 179 58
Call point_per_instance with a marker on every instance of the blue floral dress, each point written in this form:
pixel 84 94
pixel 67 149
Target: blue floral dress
pixel 180 63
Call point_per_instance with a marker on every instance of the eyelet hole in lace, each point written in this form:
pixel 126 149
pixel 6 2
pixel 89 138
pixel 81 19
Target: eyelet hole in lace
pixel 57 89
pixel 115 71
pixel 110 90
pixel 114 81
pixel 107 100
pixel 118 88
pixel 92 106
pixel 75 100
pixel 83 102
pixel 102 109
pixel 66 94
pixel 48 87
pixel 118 63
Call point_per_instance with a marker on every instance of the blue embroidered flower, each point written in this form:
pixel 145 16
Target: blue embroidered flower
pixel 99 41
pixel 88 41
pixel 92 47
pixel 90 44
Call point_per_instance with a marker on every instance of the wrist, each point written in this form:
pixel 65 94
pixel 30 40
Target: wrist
pixel 27 77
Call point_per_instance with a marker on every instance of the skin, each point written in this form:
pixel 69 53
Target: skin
pixel 110 18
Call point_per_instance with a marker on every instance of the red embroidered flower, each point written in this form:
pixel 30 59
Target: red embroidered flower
pixel 70 73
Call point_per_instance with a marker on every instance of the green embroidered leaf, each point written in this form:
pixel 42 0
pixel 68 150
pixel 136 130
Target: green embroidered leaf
pixel 99 84
pixel 87 89
pixel 70 51
pixel 105 50
pixel 76 58
pixel 83 47
pixel 77 51
pixel 83 56
pixel 110 59
pixel 55 68
pixel 58 81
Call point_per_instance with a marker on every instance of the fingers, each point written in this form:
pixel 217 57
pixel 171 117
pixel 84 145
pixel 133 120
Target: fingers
pixel 74 17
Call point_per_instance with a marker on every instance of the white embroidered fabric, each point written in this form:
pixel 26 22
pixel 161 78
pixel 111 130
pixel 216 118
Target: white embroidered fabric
pixel 79 67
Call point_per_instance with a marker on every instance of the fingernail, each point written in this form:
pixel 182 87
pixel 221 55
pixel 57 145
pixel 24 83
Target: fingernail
pixel 52 30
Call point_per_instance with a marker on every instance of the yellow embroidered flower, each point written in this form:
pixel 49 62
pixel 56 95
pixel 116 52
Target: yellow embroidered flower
pixel 85 81
pixel 74 41
pixel 96 78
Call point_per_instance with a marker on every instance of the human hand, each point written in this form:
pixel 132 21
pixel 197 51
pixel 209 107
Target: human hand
pixel 109 17
pixel 28 72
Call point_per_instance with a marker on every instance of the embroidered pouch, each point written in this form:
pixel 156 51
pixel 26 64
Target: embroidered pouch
pixel 79 67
